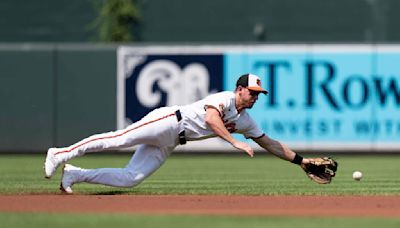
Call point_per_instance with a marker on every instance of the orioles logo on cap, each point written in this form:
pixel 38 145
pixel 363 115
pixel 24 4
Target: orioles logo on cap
pixel 251 82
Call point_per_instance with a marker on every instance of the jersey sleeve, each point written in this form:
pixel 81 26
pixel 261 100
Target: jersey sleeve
pixel 218 101
pixel 251 130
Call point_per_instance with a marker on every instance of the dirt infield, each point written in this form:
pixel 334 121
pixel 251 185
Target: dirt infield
pixel 376 206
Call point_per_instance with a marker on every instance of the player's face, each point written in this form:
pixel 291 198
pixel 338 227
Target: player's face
pixel 249 98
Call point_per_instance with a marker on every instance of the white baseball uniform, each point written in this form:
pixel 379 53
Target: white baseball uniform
pixel 156 135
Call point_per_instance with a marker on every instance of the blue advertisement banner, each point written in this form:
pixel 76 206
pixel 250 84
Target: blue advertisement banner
pixel 342 96
pixel 346 97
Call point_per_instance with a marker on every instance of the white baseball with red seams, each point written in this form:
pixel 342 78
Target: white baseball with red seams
pixel 156 135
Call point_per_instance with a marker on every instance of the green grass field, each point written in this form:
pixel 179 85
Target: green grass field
pixel 205 174
pixel 212 174
pixel 41 220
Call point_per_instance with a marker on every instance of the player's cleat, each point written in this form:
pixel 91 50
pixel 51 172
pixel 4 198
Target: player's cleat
pixel 68 178
pixel 51 163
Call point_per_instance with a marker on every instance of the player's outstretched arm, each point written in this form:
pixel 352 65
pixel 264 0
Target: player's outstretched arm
pixel 214 121
pixel 279 149
pixel 319 170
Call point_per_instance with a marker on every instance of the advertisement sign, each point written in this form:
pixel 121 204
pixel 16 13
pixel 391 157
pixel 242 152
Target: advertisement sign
pixel 151 80
pixel 320 96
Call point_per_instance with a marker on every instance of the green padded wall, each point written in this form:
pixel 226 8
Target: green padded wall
pixel 54 95
pixel 26 99
pixel 86 99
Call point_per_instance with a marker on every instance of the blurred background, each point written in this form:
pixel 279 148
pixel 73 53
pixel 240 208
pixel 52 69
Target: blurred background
pixel 72 68
pixel 355 21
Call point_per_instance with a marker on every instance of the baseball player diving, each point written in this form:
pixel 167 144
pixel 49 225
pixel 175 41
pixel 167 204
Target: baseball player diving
pixel 160 131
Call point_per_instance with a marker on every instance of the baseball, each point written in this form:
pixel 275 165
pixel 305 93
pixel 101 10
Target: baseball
pixel 357 175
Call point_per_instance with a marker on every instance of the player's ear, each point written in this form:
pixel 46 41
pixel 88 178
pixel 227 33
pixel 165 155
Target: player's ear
pixel 239 88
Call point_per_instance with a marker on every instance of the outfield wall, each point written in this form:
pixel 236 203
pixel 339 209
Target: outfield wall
pixel 53 95
pixel 322 97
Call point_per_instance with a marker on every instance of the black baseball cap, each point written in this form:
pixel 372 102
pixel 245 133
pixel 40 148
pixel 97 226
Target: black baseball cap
pixel 251 82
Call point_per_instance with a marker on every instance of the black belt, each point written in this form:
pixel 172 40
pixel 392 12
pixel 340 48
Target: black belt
pixel 182 138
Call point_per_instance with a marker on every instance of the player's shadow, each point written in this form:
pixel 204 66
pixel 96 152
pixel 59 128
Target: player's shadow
pixel 117 192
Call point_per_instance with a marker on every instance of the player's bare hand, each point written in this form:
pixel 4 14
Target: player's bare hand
pixel 244 147
pixel 305 161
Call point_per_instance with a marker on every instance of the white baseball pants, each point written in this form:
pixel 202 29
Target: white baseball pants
pixel 156 134
pixel 146 160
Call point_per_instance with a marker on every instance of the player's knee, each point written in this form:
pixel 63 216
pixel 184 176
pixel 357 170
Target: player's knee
pixel 135 178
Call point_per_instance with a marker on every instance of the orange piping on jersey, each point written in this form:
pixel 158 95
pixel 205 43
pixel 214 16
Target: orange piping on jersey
pixel 115 136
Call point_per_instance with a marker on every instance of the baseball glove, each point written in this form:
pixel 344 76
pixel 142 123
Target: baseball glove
pixel 321 170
